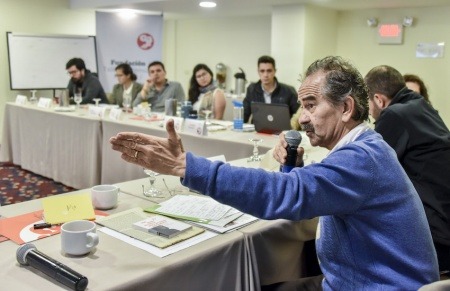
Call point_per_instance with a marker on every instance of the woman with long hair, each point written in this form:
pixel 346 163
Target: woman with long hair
pixel 413 82
pixel 204 95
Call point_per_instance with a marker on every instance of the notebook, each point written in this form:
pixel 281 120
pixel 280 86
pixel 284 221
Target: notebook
pixel 270 117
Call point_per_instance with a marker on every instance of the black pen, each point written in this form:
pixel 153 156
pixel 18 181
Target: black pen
pixel 42 225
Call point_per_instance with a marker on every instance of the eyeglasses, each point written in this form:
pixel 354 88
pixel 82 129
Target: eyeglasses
pixel 201 75
pixel 72 72
pixel 119 75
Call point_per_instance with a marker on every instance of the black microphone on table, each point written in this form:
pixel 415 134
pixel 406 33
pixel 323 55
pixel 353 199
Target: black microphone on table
pixel 27 254
pixel 293 139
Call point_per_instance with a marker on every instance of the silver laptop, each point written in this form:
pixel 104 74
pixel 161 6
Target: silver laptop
pixel 270 118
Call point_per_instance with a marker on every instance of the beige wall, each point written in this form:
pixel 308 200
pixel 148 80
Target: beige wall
pixel 358 42
pixel 236 42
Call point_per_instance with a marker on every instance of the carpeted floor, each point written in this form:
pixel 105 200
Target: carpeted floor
pixel 18 185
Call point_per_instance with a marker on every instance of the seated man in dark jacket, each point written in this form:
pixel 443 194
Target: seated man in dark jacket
pixel 419 136
pixel 84 82
pixel 268 89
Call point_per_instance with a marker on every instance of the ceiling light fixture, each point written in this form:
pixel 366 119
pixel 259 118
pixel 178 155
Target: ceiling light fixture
pixel 207 4
pixel 127 13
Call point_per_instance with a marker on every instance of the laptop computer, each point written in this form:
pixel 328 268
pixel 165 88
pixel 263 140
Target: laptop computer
pixel 270 118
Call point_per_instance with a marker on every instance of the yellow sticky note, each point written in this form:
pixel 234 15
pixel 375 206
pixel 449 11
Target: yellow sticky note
pixel 63 208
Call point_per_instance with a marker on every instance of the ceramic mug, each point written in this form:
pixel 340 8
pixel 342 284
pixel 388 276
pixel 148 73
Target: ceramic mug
pixel 78 237
pixel 104 196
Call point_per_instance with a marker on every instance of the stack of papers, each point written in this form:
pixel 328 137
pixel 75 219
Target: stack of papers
pixel 204 212
pixel 123 222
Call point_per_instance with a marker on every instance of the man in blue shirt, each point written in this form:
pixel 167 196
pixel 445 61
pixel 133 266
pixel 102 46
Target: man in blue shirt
pixel 157 89
pixel 372 234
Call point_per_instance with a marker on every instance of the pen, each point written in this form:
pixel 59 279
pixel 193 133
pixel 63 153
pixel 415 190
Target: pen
pixel 42 225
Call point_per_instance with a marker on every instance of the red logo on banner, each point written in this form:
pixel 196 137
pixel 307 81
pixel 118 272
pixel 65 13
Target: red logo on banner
pixel 145 41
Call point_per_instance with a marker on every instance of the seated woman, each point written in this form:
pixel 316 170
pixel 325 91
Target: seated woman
pixel 204 95
pixel 413 82
pixel 127 86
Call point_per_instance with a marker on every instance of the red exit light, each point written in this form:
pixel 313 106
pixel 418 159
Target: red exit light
pixel 390 30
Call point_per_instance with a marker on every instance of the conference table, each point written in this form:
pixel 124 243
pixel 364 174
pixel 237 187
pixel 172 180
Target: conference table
pixel 62 146
pixel 264 252
pixel 73 147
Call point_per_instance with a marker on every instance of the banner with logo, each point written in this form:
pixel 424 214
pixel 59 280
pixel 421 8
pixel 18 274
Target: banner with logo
pixel 134 40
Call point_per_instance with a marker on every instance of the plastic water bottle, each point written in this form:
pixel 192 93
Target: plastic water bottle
pixel 238 116
pixel 186 109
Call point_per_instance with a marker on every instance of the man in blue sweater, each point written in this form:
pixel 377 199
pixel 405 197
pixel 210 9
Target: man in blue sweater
pixel 373 233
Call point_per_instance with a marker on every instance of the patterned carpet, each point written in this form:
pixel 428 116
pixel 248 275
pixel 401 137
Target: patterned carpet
pixel 18 185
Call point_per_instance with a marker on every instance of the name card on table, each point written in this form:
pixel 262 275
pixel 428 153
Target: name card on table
pixel 97 111
pixel 195 127
pixel 44 102
pixel 21 99
pixel 177 122
pixel 115 113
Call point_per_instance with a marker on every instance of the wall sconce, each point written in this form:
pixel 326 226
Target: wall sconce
pixel 372 22
pixel 408 21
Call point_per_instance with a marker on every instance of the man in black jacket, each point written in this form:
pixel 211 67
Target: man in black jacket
pixel 85 82
pixel 268 89
pixel 421 140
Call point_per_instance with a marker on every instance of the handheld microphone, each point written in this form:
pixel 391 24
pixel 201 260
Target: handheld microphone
pixel 27 254
pixel 293 138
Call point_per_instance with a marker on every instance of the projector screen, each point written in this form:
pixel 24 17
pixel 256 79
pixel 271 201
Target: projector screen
pixel 39 61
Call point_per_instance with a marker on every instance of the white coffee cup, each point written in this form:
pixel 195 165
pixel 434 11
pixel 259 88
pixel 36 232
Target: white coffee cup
pixel 104 196
pixel 78 237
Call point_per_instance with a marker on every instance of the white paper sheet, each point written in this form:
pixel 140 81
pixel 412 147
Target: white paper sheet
pixel 155 250
pixel 194 206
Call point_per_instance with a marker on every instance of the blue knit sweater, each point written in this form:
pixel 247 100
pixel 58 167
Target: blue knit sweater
pixel 373 231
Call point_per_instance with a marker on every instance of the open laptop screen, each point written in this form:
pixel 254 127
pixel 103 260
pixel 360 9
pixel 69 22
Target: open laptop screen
pixel 270 118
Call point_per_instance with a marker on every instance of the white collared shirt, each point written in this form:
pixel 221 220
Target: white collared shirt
pixel 351 136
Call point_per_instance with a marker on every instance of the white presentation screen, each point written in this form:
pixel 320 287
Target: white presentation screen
pixel 39 61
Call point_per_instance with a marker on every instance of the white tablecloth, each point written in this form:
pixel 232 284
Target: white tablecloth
pixel 62 146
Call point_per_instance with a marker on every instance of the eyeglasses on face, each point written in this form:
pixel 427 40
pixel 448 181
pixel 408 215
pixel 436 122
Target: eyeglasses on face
pixel 202 75
pixel 72 72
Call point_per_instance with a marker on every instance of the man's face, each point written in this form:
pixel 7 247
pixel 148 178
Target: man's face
pixel 374 109
pixel 319 119
pixel 75 74
pixel 266 73
pixel 157 74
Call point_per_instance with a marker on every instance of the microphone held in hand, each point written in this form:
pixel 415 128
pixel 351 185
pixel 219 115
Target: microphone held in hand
pixel 27 254
pixel 293 138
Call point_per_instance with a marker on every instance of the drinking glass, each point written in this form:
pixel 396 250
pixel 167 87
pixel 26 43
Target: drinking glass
pixel 78 98
pixel 96 100
pixel 151 191
pixel 255 157
pixel 33 99
pixel 126 103
pixel 207 114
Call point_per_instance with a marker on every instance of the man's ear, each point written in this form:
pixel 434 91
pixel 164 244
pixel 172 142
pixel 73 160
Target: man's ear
pixel 381 100
pixel 349 108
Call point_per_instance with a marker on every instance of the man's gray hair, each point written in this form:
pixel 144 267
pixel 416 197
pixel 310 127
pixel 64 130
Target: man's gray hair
pixel 342 79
